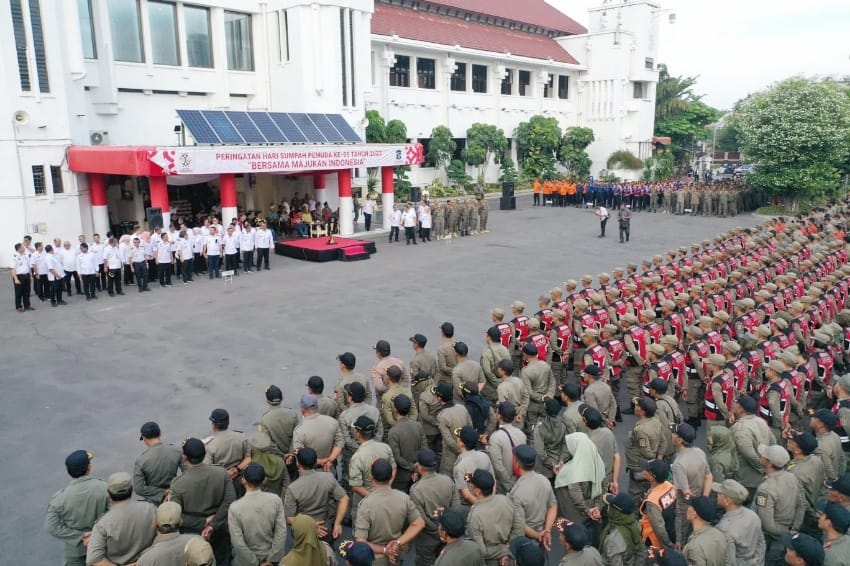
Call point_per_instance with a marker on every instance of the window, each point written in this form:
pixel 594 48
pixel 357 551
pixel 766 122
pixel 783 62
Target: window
pixel 508 82
pixel 400 71
pixel 125 23
pixel 86 29
pixel 237 35
pixel 21 44
pixel 549 87
pixel 38 180
pixel 38 46
pixel 563 87
pixel 56 179
pixel 640 90
pixel 525 83
pixel 459 77
pixel 479 78
pixel 460 145
pixel 283 35
pixel 198 44
pixel 426 72
pixel 649 62
pixel 162 18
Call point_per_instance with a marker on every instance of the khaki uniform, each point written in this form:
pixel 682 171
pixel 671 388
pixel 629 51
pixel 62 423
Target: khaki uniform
pixel 780 505
pixel 634 370
pixel 311 494
pixel 533 494
pixel 500 448
pixel 387 409
pixel 668 413
pixel 257 527
pixel 404 439
pixel 346 420
pixel 73 511
pixel 448 419
pixel 154 470
pixel 606 444
pixel 464 371
pixel 202 491
pixel 831 454
pixel 422 362
pixel 571 416
pixel 445 361
pixel 359 470
pixel 462 552
pixel 431 492
pixel 227 448
pixel 550 443
pixel 347 379
pixel 280 423
pixel 319 432
pixel 538 378
pixel 837 551
pixel 467 463
pixel 379 375
pixel 383 517
pixel 599 396
pixel 512 389
pixel 689 469
pixel 122 533
pixel 588 556
pixel 644 443
pixel 742 528
pixel 492 524
pixel 748 432
pixel 167 550
pixel 490 358
pixel 810 474
pixel 706 547
pixel 328 407
pixel 429 408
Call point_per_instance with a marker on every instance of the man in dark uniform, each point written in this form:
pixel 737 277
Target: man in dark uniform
pixel 156 467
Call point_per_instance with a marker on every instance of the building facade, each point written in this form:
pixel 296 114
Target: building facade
pixel 113 73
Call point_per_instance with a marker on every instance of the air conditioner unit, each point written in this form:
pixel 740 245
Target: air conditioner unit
pixel 99 137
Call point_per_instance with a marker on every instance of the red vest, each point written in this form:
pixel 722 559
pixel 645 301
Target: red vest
pixel 768 350
pixel 655 332
pixel 585 322
pixel 784 397
pixel 563 335
pixel 782 340
pixel 637 303
pixel 542 343
pixel 797 383
pixel 847 341
pixel 738 369
pixel 662 369
pixel 640 338
pixel 676 322
pixel 678 364
pixel 615 349
pixel 545 317
pixel 727 386
pixel 825 364
pixel 715 342
pixel 688 314
pixel 520 328
pixel 701 348
pixel 719 301
pixel 601 318
pixel 504 333
pixel 754 361
pixel 702 304
pixel 598 354
pixel 621 308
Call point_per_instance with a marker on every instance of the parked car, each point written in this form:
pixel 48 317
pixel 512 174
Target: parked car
pixel 744 169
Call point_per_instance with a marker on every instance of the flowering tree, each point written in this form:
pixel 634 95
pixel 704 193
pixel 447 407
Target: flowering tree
pixel 797 133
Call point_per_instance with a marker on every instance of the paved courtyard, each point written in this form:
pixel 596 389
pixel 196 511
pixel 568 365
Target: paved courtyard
pixel 89 374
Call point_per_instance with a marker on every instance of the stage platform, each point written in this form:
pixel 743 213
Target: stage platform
pixel 317 249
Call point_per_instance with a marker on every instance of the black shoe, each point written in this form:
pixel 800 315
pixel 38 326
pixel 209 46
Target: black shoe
pixel 53 305
pixel 62 303
pixel 120 292
pixel 629 411
pixel 111 294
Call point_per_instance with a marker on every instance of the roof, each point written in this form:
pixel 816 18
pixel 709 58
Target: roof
pixel 445 30
pixel 535 12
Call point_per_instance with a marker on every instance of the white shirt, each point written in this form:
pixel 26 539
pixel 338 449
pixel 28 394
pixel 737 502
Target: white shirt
pixel 263 238
pixel 112 256
pixel 425 217
pixel 122 252
pixel 368 206
pixel 136 255
pixel 248 239
pixel 602 213
pixel 163 252
pixel 230 244
pixel 395 218
pixel 87 263
pixel 213 244
pixel 21 263
pixel 39 259
pixel 185 250
pixel 205 231
pixel 97 250
pixel 198 243
pixel 54 264
pixel 408 219
pixel 69 260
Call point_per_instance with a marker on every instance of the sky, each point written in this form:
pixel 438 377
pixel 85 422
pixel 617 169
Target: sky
pixel 737 47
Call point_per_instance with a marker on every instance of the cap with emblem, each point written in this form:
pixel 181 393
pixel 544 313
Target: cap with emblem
pixel 774 454
pixel 364 424
pixel 622 502
pixel 731 489
pixel 827 417
pixel 426 458
pixel 592 417
pixel 77 463
pixel 356 391
pixel 837 514
pixel 748 404
pixel 461 349
pixel 507 411
pixel 444 390
pixel 806 547
pixel 274 395
pixel 806 441
pixel 453 523
pixel 684 431
pixel 716 360
pixel 658 385
pixel 119 483
pixel 526 455
pixel 150 430
pixel 482 479
pixel 648 405
pixel 469 436
pixel 169 515
pixel 419 339
pixel 704 507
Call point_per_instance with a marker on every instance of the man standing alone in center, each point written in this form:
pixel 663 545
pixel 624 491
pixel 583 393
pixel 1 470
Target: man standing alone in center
pixel 603 215
pixel 624 219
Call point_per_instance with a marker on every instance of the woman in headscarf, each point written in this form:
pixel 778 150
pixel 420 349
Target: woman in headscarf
pixel 307 549
pixel 480 411
pixel 722 454
pixel 261 446
pixel 620 542
pixel 578 483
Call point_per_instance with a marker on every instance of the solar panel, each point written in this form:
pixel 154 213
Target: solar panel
pixel 267 127
pixel 198 126
pixel 245 127
pixel 344 128
pixel 328 130
pixel 222 126
pixel 306 125
pixel 288 127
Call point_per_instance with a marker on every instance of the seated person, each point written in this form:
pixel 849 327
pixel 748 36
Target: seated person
pixel 303 226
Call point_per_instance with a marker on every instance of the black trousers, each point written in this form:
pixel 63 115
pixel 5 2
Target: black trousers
pixel 248 260
pixel 426 234
pixel 164 270
pixel 101 280
pixel 187 270
pixel 56 288
pixel 262 257
pixel 152 270
pixel 128 275
pixel 624 231
pixel 602 224
pixel 141 274
pixel 230 261
pixel 394 232
pixel 536 200
pixel 367 220
pixel 200 264
pixel 22 292
pixel 42 287
pixel 90 285
pixel 114 281
pixel 410 234
pixel 77 283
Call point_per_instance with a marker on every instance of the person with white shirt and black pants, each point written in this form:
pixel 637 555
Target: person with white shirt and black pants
pixel 408 220
pixel 186 255
pixel 164 261
pixel 138 263
pixel 247 241
pixel 199 265
pixel 113 261
pixel 55 275
pixel 69 264
pixel 395 222
pixel 367 208
pixel 263 242
pixel 21 278
pixel 38 260
pixel 87 266
pixel 96 249
pixel 231 251
pixel 212 253
pixel 603 215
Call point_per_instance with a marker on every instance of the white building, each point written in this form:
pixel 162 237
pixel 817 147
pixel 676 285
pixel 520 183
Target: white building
pixel 89 87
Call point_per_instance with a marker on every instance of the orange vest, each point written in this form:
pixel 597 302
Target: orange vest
pixel 562 188
pixel 547 188
pixel 664 496
pixel 537 187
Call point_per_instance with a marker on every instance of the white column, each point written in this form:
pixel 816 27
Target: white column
pixel 387 200
pixel 346 216
pixel 166 220
pixel 100 219
pixel 227 214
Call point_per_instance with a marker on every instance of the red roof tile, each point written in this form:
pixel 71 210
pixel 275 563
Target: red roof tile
pixel 444 30
pixel 535 12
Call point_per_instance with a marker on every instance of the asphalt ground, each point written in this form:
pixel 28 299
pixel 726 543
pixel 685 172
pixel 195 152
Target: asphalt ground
pixel 87 375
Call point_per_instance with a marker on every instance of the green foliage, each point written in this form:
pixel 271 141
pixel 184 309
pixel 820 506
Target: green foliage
pixel 572 151
pixel 456 172
pixel 402 184
pixel 442 147
pixel 679 113
pixel 483 143
pixel 729 136
pixel 438 190
pixel 797 133
pixel 396 132
pixel 624 159
pixel 538 141
pixel 660 167
pixel 509 172
pixel 376 130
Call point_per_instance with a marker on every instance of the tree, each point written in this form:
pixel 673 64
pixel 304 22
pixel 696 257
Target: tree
pixel 660 167
pixel 442 147
pixel 456 172
pixel 573 152
pixel 483 143
pixel 624 159
pixel 538 141
pixel 376 130
pixel 729 136
pixel 796 133
pixel 509 173
pixel 396 132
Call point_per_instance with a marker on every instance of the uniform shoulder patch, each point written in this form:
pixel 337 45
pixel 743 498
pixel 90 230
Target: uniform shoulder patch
pixel 761 500
pixel 643 442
